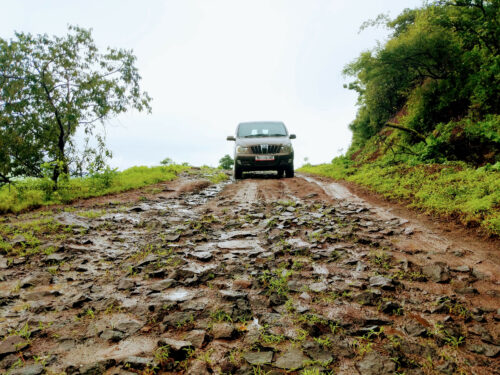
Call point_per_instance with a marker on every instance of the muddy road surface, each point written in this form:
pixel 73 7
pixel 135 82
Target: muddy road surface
pixel 258 276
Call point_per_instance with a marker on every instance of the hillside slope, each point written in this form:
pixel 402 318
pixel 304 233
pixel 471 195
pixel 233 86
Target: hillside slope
pixel 428 126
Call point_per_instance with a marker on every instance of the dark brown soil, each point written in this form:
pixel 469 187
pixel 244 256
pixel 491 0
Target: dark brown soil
pixel 259 276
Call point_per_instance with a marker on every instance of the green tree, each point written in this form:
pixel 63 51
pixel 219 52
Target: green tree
pixel 167 162
pixel 52 87
pixel 440 65
pixel 226 162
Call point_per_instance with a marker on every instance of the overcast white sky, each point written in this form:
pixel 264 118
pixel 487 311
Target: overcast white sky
pixel 209 64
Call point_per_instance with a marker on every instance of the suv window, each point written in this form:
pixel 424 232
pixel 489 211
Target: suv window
pixel 261 129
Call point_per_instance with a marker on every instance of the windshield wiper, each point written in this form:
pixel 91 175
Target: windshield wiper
pixel 255 135
pixel 264 135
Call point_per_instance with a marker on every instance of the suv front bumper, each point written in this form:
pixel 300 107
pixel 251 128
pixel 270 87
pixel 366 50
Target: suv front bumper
pixel 249 163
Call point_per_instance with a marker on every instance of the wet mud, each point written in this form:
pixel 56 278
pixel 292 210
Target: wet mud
pixel 258 276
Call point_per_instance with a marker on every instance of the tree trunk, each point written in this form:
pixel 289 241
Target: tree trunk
pixel 404 128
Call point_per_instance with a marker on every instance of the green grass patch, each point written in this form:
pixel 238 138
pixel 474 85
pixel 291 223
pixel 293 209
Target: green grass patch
pixel 214 175
pixel 31 193
pixel 24 238
pixel 454 190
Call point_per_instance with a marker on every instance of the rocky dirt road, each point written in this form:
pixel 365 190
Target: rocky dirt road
pixel 261 276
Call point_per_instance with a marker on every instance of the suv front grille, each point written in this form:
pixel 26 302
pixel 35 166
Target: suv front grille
pixel 266 149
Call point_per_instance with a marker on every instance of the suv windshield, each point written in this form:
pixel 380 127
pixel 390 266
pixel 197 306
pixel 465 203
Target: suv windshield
pixel 261 129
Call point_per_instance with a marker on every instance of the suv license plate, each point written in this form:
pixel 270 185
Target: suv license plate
pixel 264 158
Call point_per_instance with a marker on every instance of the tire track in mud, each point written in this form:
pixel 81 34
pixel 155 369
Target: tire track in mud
pixel 261 275
pixel 421 238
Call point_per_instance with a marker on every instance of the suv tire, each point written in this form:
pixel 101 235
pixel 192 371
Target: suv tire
pixel 289 172
pixel 237 173
pixel 280 172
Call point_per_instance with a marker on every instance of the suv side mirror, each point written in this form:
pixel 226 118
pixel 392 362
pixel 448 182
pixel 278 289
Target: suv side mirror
pixel 231 138
pixel 292 136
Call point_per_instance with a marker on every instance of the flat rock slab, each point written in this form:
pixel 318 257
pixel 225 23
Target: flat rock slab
pixel 172 237
pixel 175 345
pixel 125 284
pixel 298 244
pixel 196 337
pixel 258 358
pixel 437 272
pixel 318 287
pixel 178 295
pixel 382 282
pixel 195 269
pixel 56 257
pixel 485 349
pixel 232 295
pixel 92 352
pixel 238 244
pixel 291 360
pixel 162 285
pixel 128 326
pixel 67 218
pixel 320 269
pixel 34 369
pixel 195 305
pixel 222 330
pixel 237 234
pixel 376 364
pixel 12 344
pixel 204 256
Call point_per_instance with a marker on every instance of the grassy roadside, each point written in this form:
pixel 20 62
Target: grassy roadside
pixel 454 190
pixel 35 192
pixel 214 175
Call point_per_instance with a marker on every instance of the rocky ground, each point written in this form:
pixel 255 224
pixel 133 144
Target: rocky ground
pixel 261 276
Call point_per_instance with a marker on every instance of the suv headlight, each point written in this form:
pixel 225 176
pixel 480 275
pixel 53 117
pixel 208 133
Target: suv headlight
pixel 242 150
pixel 287 149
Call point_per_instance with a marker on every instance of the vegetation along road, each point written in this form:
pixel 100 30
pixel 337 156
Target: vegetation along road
pixel 258 276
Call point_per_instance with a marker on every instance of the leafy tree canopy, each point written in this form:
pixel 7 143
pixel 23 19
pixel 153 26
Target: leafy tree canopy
pixel 440 65
pixel 226 162
pixel 50 88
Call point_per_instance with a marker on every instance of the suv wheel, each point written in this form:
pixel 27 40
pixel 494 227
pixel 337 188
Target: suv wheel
pixel 289 171
pixel 237 173
pixel 280 172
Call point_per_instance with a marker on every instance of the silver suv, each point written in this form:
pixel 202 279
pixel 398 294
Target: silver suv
pixel 262 146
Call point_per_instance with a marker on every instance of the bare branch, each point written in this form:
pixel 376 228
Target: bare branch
pixel 404 128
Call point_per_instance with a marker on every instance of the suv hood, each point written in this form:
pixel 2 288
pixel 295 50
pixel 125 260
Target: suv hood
pixel 263 140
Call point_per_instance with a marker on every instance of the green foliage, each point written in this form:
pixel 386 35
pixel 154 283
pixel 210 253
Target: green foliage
pixel 213 174
pixel 35 192
pixel 51 87
pixel 167 161
pixel 474 142
pixel 221 316
pixel 441 64
pixel 162 355
pixel 276 281
pixel 28 236
pixel 226 162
